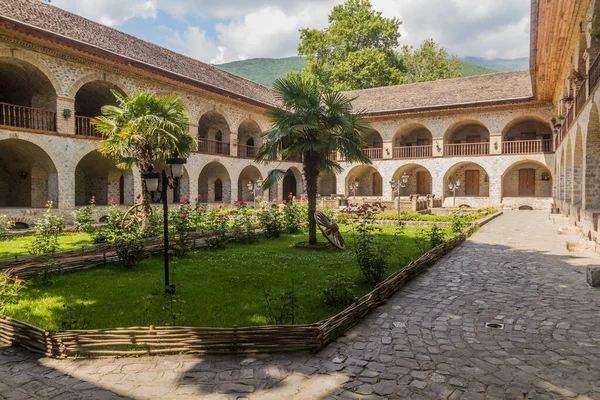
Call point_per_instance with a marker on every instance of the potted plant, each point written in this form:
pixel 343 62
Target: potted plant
pixel 554 209
pixel 67 113
pixel 592 28
pixel 558 121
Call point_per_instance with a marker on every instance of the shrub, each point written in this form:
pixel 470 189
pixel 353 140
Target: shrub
pixel 128 248
pixel 435 236
pixel 460 221
pixel 292 216
pixel 338 290
pixel 179 227
pixel 242 225
pixel 270 221
pixel 47 230
pixel 84 221
pixel 370 253
pixel 281 309
pixel 9 290
pixel 218 235
pixel 5 226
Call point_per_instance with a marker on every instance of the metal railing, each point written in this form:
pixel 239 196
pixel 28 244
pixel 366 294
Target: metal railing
pixel 412 152
pixel 210 146
pixel 466 149
pixel 527 146
pixel 27 117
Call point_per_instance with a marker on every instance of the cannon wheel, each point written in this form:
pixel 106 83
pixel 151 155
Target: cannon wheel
pixel 330 230
pixel 132 216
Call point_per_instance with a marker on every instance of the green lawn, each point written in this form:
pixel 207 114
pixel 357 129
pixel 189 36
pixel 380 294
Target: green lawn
pixel 18 246
pixel 218 288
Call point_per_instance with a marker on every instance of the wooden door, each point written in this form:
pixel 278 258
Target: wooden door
pixel 218 190
pixel 472 183
pixel 527 182
pixel 122 190
pixel 377 184
pixel 423 183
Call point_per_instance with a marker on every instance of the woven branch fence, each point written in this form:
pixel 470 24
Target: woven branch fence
pixel 138 341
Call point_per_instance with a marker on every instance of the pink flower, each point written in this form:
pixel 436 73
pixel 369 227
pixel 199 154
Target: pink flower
pixel 93 197
pixel 285 202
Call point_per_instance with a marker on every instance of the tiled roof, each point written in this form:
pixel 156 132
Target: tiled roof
pixel 437 94
pixel 52 19
pixel 497 87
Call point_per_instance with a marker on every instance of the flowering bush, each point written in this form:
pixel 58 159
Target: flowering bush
pixel 9 290
pixel 179 227
pixel 47 230
pixel 84 221
pixel 218 230
pixel 242 224
pixel 294 215
pixel 5 226
pixel 270 221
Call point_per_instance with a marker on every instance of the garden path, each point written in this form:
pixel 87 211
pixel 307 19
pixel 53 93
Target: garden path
pixel 428 341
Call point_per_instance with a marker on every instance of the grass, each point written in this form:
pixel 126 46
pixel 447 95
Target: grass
pixel 18 246
pixel 219 288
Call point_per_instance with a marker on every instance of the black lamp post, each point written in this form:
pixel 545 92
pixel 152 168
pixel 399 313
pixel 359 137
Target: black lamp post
pixel 168 182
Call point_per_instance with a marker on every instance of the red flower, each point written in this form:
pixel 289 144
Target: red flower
pixel 221 215
pixel 184 215
pixel 139 196
pixel 285 202
pixel 117 223
pixel 149 227
pixel 216 221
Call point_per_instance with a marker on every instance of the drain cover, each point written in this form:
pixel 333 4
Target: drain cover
pixel 494 325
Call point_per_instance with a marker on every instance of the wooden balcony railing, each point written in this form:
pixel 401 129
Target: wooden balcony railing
pixel 466 149
pixel 247 151
pixel 27 117
pixel 412 152
pixel 210 146
pixel 375 153
pixel 527 146
pixel 580 97
pixel 84 127
pixel 594 75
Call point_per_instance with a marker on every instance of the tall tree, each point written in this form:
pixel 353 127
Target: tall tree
pixel 144 129
pixel 356 50
pixel 312 124
pixel 430 62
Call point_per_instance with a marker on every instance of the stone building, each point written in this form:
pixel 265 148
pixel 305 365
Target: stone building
pixel 491 133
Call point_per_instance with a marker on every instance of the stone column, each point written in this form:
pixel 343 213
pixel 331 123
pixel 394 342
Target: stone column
pixel 495 143
pixel 438 147
pixel 233 149
pixel 437 185
pixel 65 125
pixel 388 149
pixel 495 189
pixel 66 188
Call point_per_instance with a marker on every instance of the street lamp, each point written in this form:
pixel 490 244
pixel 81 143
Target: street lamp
pixel 397 185
pixel 253 187
pixel 453 186
pixel 353 186
pixel 168 182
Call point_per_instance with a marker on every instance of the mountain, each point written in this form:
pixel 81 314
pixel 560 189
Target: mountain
pixel 266 70
pixel 499 64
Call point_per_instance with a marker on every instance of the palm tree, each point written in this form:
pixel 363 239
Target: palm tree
pixel 313 125
pixel 144 129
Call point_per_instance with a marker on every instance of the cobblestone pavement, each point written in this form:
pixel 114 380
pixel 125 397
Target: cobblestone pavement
pixel 429 341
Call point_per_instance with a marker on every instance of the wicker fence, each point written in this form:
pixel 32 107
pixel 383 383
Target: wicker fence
pixel 152 340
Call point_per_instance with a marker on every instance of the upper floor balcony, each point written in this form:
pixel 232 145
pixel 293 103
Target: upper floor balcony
pixel 210 146
pixel 12 115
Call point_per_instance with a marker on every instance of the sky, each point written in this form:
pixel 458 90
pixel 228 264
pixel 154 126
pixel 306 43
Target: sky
pixel 218 31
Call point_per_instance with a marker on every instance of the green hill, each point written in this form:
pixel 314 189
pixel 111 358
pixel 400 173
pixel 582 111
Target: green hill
pixel 266 70
pixel 499 64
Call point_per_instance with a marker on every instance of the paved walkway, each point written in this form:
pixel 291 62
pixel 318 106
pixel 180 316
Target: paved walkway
pixel 429 341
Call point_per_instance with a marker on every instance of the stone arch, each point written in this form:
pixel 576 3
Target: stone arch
pixel 370 182
pixel 112 80
pixel 527 178
pixel 292 183
pixel 249 174
pixel 419 180
pixel 28 175
pixel 473 178
pixel 327 184
pixel 213 134
pixel 412 141
pixel 30 96
pixel 214 183
pixel 98 177
pixel 465 138
pixel 591 191
pixel 35 62
pixel 93 95
pixel 527 128
pixel 249 138
pixel 569 171
pixel 578 168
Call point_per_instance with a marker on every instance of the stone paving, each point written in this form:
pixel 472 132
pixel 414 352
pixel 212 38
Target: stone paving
pixel 429 341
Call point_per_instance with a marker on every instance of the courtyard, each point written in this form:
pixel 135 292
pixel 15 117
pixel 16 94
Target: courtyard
pixel 428 341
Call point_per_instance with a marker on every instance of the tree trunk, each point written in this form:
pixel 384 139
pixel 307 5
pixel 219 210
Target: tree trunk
pixel 311 174
pixel 146 207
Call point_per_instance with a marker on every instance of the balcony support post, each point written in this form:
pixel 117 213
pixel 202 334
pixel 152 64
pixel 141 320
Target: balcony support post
pixel 65 125
pixel 496 143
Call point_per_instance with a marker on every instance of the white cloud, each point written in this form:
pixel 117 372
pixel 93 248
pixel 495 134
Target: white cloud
pixel 269 28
